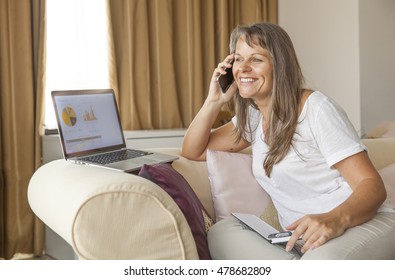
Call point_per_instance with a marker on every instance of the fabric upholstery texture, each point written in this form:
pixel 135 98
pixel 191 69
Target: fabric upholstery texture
pixel 234 188
pixel 196 174
pixel 172 243
pixel 388 175
pixel 165 176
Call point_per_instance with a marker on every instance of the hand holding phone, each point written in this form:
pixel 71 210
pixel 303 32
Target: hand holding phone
pixel 226 80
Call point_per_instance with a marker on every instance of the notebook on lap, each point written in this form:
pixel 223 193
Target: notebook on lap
pixel 91 133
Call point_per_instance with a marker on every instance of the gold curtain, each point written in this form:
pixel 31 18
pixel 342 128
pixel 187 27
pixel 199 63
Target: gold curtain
pixel 22 35
pixel 164 52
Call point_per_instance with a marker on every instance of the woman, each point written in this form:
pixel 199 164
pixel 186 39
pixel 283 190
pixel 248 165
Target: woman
pixel 306 155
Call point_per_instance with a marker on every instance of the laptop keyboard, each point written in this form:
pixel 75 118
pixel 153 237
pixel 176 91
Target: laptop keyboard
pixel 116 156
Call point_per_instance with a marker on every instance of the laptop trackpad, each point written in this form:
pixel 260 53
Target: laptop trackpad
pixel 124 165
pixel 131 164
pixel 142 160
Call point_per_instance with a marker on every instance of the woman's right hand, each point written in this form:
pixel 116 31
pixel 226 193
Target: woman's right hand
pixel 215 94
pixel 200 136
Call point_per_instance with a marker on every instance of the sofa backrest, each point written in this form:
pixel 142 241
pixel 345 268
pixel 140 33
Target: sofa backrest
pixel 381 152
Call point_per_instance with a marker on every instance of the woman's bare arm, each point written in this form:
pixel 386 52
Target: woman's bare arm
pixel 200 136
pixel 368 194
pixel 197 141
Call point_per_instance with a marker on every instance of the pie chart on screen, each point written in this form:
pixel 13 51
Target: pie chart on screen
pixel 69 117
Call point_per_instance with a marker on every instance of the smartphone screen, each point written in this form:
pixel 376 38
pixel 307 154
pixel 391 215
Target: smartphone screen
pixel 226 80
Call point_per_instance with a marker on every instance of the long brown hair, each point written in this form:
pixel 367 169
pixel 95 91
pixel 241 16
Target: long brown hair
pixel 286 93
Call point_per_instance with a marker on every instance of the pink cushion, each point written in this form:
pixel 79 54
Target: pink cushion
pixel 388 175
pixel 165 176
pixel 233 186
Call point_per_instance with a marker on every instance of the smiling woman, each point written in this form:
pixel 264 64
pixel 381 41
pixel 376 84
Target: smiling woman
pixel 77 50
pixel 306 155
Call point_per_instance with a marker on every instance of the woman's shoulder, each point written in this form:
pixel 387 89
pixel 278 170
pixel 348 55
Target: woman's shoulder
pixel 320 106
pixel 317 96
pixel 318 101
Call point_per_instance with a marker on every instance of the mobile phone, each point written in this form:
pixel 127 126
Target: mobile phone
pixel 226 80
pixel 280 234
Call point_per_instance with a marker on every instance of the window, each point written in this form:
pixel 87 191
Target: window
pixel 76 48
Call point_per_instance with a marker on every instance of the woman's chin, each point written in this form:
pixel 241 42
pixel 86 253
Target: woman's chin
pixel 245 94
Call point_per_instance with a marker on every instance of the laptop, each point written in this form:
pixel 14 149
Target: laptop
pixel 264 229
pixel 91 133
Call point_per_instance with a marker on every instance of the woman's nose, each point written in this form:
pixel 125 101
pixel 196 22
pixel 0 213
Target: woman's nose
pixel 244 66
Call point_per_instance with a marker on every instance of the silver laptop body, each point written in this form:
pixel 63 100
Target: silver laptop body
pixel 90 131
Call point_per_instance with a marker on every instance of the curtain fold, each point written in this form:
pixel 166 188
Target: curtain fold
pixel 164 52
pixel 22 31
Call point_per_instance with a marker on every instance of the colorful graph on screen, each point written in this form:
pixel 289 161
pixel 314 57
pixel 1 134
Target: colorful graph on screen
pixel 90 115
pixel 69 117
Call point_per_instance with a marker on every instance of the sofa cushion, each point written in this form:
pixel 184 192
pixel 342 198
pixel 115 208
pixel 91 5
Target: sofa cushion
pixel 388 175
pixel 234 188
pixel 165 176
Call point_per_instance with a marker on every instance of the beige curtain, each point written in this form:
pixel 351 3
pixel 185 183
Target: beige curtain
pixel 22 36
pixel 164 52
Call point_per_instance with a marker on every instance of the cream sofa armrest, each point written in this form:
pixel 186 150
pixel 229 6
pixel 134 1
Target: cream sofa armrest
pixel 107 214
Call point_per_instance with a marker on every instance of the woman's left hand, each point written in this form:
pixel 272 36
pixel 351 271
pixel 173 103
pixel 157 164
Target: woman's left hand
pixel 315 230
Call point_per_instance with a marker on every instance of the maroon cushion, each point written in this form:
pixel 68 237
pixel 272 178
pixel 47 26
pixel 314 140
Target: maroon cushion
pixel 165 176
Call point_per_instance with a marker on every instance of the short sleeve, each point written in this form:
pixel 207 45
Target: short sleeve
pixel 336 137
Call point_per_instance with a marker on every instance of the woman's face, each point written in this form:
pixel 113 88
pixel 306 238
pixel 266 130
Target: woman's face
pixel 253 71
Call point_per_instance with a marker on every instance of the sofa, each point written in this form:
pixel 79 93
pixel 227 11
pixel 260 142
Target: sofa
pixel 107 214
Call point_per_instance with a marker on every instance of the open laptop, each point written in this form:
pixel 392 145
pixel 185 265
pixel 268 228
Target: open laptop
pixel 91 133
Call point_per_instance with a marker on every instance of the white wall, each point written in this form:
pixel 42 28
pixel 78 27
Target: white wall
pixel 337 45
pixel 377 48
pixel 325 36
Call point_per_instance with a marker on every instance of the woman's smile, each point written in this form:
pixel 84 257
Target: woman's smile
pixel 253 70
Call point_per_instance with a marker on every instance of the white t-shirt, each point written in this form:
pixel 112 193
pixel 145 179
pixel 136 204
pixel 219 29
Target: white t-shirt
pixel 304 182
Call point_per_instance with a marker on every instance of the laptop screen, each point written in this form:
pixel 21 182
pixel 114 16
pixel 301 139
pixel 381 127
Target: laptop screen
pixel 88 121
